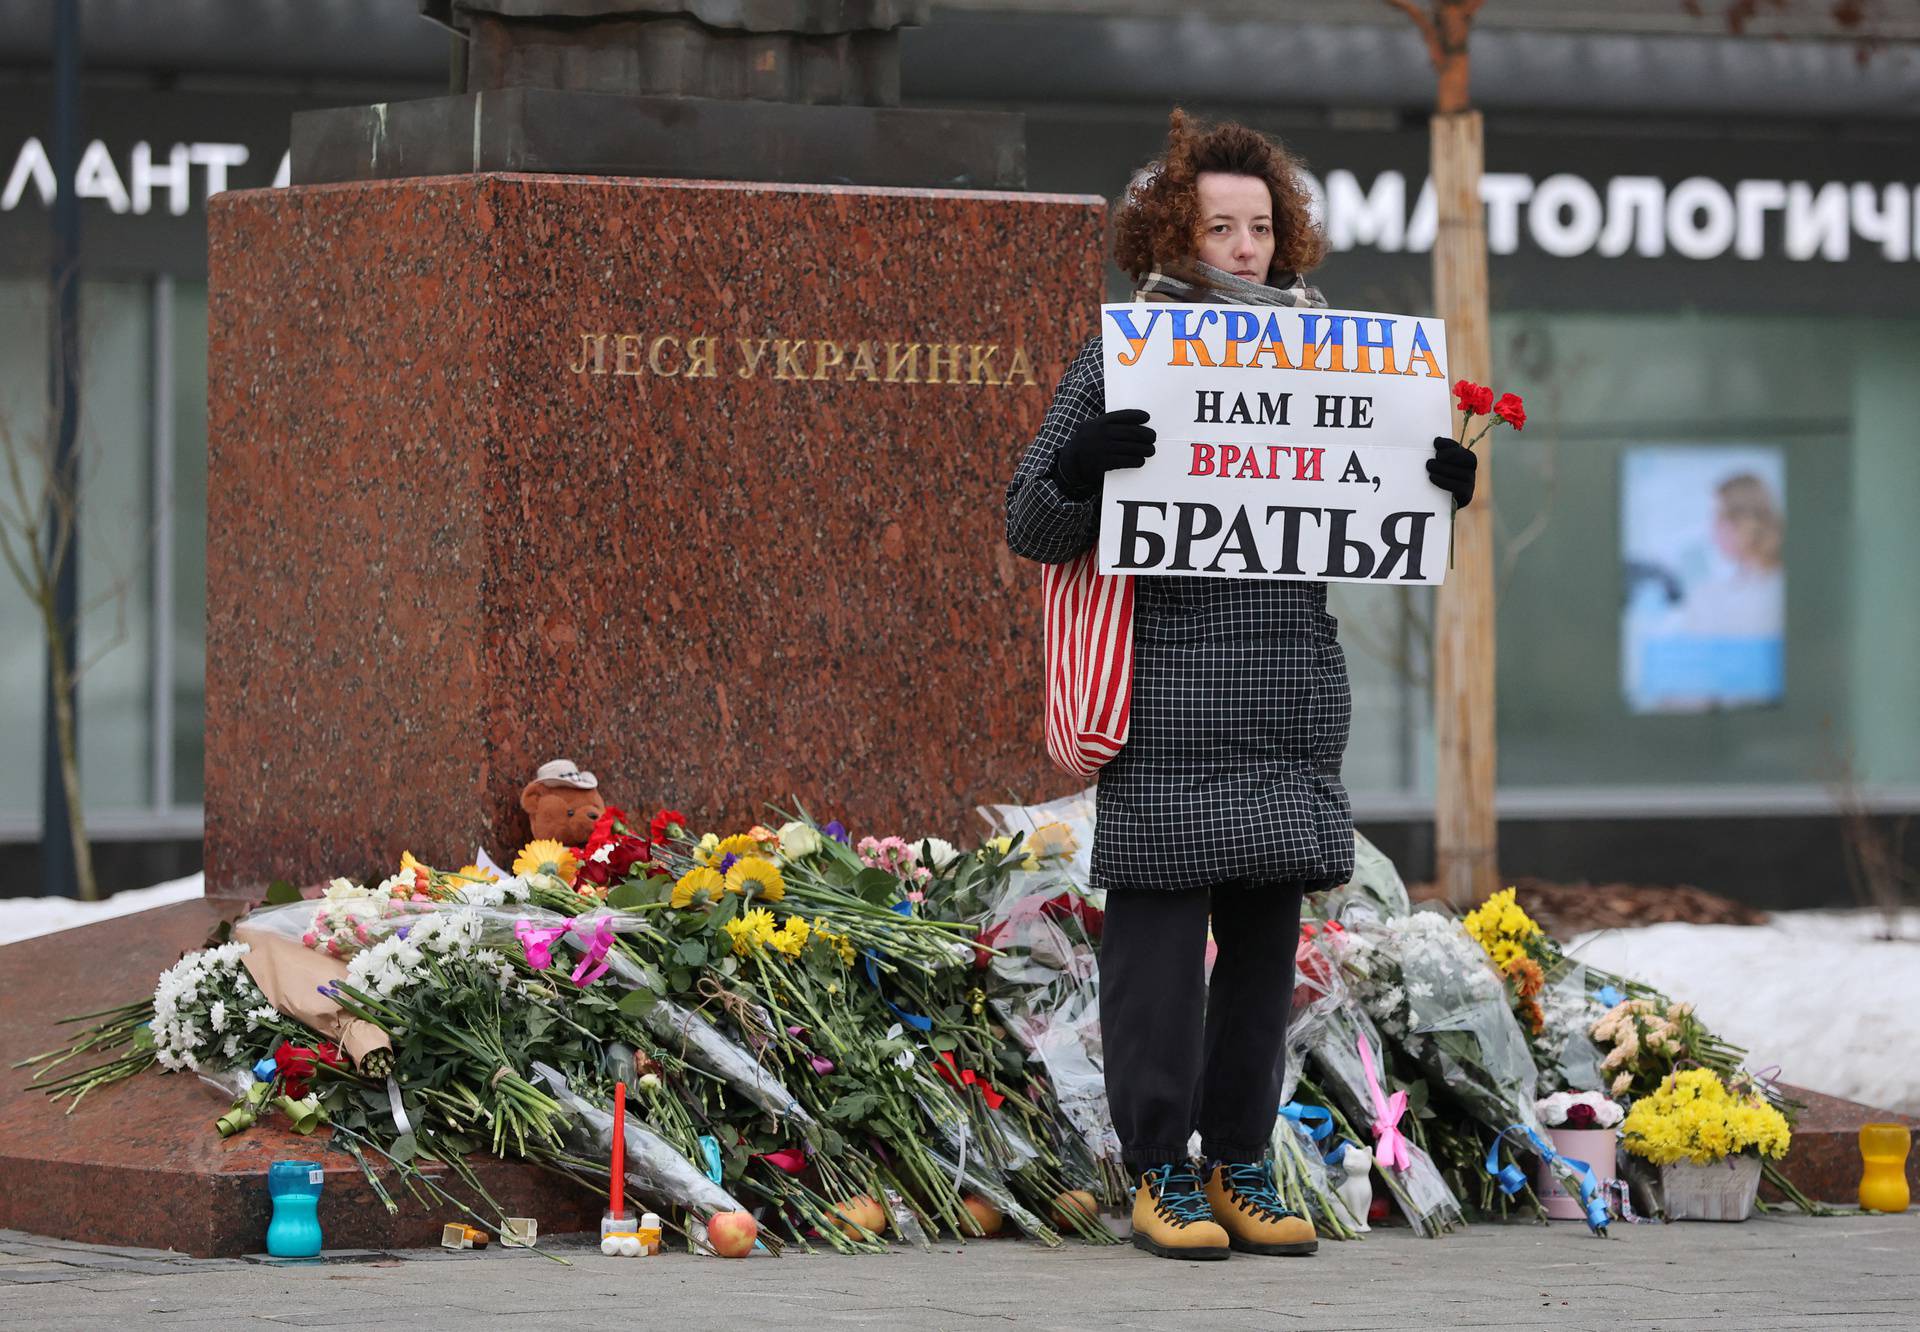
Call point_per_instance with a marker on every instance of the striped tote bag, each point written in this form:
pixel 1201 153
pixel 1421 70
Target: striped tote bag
pixel 1089 628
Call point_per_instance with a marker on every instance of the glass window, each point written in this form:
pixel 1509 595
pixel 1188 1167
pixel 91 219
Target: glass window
pixel 189 325
pixel 23 652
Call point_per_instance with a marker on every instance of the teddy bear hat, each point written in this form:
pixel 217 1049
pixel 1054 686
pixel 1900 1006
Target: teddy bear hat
pixel 562 772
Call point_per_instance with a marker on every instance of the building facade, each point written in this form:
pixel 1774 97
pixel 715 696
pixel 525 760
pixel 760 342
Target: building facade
pixel 1705 280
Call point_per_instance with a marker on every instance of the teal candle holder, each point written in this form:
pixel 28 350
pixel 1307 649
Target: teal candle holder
pixel 294 1187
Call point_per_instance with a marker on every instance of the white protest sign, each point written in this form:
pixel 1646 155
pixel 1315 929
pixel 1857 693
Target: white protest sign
pixel 1291 443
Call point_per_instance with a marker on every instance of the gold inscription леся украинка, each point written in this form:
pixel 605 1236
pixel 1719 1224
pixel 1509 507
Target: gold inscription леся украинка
pixel 814 360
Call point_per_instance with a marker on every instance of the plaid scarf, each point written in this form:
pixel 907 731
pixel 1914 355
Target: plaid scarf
pixel 1193 282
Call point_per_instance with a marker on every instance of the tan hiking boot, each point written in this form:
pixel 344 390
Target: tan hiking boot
pixel 1170 1215
pixel 1248 1208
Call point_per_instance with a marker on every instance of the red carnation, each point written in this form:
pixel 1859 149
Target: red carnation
pixel 295 1064
pixel 1511 410
pixel 664 822
pixel 1474 399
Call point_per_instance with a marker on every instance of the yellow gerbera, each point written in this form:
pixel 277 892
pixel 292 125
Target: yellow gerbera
pixel 475 874
pixel 758 876
pixel 702 881
pixel 408 864
pixel 740 844
pixel 547 856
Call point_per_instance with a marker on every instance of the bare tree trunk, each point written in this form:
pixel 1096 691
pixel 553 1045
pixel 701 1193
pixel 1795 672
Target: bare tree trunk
pixel 1466 826
pixel 1466 844
pixel 69 741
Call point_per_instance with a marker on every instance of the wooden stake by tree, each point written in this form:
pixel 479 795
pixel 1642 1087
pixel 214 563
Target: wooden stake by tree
pixel 1466 832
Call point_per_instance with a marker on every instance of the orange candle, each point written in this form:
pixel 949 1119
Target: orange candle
pixel 617 1202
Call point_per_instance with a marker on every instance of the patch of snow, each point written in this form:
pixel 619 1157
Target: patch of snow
pixel 1815 992
pixel 29 917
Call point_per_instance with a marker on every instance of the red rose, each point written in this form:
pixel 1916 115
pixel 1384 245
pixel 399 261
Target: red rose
pixel 1580 1116
pixel 1511 410
pixel 1474 399
pixel 664 822
pixel 295 1064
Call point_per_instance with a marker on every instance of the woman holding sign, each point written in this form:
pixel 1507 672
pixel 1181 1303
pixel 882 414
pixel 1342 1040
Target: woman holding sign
pixel 1225 802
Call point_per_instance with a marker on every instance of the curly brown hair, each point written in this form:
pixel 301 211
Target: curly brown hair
pixel 1158 219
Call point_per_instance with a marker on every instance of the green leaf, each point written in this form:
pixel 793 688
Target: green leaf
pixel 942 1042
pixel 693 952
pixel 143 1037
pixel 637 1003
pixel 632 893
pixel 875 885
pixel 405 1148
pixel 280 892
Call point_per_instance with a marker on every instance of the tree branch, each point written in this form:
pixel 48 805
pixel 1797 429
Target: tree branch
pixel 1424 22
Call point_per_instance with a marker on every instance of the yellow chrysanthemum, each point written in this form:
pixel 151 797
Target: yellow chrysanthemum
pixel 790 938
pixel 750 930
pixel 701 881
pixel 547 856
pixel 1002 845
pixel 758 876
pixel 1695 1116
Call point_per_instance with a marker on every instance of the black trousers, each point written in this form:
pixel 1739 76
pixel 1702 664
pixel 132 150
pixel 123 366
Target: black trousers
pixel 1178 1057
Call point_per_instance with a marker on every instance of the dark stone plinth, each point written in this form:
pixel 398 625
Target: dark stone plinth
pixel 141 1163
pixel 565 132
pixel 743 541
pixel 1824 1160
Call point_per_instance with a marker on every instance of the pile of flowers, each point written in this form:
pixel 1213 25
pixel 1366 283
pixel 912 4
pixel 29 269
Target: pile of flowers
pixel 872 1036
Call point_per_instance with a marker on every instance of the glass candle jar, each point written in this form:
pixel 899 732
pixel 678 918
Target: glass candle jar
pixel 1883 1156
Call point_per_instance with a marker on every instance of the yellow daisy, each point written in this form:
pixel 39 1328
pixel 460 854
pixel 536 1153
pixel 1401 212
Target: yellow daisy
pixel 546 856
pixel 700 882
pixel 758 876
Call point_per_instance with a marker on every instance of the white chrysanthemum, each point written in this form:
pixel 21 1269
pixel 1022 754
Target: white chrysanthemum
pixel 217 1015
pixel 940 853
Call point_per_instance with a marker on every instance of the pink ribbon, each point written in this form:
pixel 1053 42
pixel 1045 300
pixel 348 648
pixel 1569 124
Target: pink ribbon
pixel 1390 1145
pixel 593 963
pixel 538 941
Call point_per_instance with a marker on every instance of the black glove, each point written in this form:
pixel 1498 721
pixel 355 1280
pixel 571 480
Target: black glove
pixel 1097 446
pixel 1451 468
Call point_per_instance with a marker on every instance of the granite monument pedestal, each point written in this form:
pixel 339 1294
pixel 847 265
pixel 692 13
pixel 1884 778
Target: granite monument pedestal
pixel 697 484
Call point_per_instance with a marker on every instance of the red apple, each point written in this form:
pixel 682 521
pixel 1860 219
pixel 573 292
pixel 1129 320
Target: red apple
pixel 732 1233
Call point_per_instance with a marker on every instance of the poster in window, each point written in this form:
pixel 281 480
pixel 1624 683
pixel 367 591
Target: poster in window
pixel 1703 531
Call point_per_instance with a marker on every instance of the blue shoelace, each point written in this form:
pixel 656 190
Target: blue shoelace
pixel 1187 1205
pixel 1254 1182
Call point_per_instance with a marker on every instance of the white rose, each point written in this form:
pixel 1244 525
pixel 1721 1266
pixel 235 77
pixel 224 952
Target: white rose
pixel 798 840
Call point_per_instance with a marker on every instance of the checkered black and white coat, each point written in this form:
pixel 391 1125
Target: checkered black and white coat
pixel 1231 770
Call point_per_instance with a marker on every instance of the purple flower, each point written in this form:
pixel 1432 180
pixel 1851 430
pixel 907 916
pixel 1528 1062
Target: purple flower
pixel 403 931
pixel 728 861
pixel 838 832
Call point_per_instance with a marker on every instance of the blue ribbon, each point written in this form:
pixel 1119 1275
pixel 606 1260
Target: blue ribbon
pixel 1512 1179
pixel 710 1155
pixel 1609 996
pixel 1316 1120
pixel 913 1020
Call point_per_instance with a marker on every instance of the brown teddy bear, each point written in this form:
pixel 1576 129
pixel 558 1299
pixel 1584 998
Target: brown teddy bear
pixel 562 803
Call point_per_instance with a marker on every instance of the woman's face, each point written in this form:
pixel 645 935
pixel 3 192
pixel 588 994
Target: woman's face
pixel 1236 224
